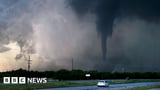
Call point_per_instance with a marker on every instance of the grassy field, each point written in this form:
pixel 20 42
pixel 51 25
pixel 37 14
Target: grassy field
pixel 144 87
pixel 57 84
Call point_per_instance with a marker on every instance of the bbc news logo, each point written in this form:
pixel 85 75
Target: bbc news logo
pixel 23 80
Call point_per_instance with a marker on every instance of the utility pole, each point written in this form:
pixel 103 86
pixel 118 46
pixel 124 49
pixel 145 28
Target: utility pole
pixel 29 63
pixel 72 64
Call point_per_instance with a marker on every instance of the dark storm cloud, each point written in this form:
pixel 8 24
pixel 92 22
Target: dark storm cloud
pixel 108 10
pixel 144 9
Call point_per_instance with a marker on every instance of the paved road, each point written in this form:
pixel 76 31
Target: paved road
pixel 155 89
pixel 112 87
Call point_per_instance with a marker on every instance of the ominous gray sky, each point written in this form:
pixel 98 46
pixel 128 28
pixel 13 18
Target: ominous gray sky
pixel 110 35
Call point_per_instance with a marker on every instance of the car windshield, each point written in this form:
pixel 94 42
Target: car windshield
pixel 101 81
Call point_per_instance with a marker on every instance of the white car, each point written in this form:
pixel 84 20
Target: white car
pixel 102 83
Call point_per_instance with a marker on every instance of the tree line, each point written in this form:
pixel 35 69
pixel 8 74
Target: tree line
pixel 80 74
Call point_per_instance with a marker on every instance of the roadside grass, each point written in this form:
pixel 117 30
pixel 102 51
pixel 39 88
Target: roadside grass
pixel 144 87
pixel 133 81
pixel 58 84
